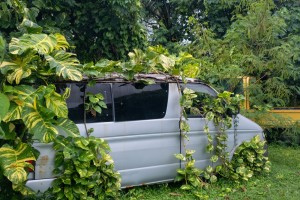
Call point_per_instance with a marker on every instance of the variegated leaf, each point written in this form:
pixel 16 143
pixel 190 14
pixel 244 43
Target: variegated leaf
pixel 7 131
pixel 17 75
pixel 14 112
pixel 166 62
pixel 41 128
pixel 4 102
pixel 68 126
pixel 14 160
pixel 2 48
pixel 18 67
pixel 41 43
pixel 5 66
pixel 23 189
pixel 20 94
pixel 62 43
pixel 65 64
pixel 56 103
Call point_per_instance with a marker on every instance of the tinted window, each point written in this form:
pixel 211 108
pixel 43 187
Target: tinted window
pixel 203 92
pixel 140 102
pixel 75 101
pixel 106 114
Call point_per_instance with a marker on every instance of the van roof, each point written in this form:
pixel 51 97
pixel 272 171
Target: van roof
pixel 115 77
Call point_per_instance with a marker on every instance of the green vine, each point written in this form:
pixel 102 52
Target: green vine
pixel 85 169
pixel 190 174
pixel 222 111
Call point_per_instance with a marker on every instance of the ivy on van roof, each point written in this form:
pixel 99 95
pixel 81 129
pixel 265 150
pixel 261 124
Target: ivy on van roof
pixel 153 63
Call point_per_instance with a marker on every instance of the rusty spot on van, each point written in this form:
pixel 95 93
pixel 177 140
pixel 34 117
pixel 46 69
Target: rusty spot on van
pixel 44 160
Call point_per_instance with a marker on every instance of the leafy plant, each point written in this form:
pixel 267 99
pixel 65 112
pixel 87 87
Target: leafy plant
pixel 190 174
pixel 15 162
pixel 31 109
pixel 248 159
pixel 85 169
pixel 94 103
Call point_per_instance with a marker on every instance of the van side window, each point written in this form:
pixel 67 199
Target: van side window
pixel 107 113
pixel 139 101
pixel 203 92
pixel 75 101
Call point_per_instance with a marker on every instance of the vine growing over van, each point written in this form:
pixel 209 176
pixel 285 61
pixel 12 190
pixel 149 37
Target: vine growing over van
pixel 248 159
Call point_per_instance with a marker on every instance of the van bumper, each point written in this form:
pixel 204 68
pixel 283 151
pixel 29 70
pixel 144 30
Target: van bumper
pixel 40 185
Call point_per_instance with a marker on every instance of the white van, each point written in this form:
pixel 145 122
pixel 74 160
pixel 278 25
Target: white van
pixel 141 125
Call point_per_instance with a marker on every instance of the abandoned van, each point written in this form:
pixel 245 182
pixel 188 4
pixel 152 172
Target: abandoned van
pixel 141 125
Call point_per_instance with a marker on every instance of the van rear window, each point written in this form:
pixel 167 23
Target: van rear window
pixel 137 101
pixel 125 101
pixel 75 101
pixel 107 113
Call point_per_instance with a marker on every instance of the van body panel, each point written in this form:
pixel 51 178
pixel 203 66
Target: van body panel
pixel 45 163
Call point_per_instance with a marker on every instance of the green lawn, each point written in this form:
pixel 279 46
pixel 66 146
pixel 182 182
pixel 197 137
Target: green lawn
pixel 282 183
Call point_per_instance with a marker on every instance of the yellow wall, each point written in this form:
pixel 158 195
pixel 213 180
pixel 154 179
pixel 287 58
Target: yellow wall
pixel 294 114
pixel 290 114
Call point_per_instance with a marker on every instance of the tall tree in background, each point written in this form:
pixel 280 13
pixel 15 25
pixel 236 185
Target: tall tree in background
pixel 260 43
pixel 168 20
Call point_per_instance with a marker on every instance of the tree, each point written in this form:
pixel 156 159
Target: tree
pixel 168 21
pixel 259 44
pixel 98 29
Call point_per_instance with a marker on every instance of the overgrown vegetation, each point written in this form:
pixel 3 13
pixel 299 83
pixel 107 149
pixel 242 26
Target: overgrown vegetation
pixel 248 159
pixel 257 38
pixel 85 169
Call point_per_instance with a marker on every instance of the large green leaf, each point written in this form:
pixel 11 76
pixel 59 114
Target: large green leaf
pixel 39 125
pixel 68 126
pixel 2 48
pixel 56 103
pixel 6 66
pixel 65 64
pixel 41 43
pixel 30 26
pixel 14 113
pixel 166 62
pixel 7 131
pixel 14 160
pixel 18 95
pixel 19 67
pixel 61 42
pixel 17 75
pixel 4 102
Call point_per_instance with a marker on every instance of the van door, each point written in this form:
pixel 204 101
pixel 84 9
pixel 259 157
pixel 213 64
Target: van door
pixel 143 137
pixel 197 136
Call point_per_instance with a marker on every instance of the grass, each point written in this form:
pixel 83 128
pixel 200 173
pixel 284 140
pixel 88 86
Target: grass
pixel 283 182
